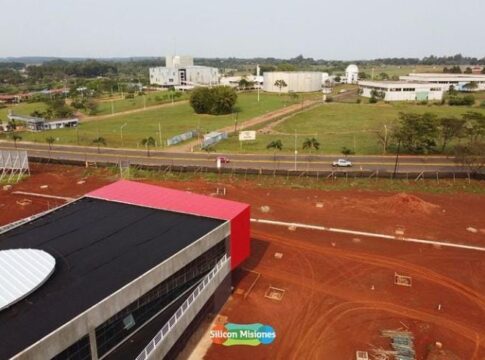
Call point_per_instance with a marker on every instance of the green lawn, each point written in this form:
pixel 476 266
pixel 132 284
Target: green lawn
pixel 138 102
pixel 22 108
pixel 172 120
pixel 336 125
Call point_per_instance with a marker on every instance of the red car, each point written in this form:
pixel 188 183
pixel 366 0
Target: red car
pixel 223 159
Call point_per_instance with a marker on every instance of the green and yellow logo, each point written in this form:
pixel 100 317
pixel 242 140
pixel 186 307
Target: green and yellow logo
pixel 242 334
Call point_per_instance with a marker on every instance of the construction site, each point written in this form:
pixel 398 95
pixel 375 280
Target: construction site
pixel 340 274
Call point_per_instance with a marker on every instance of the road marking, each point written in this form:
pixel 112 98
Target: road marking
pixel 195 159
pixel 368 234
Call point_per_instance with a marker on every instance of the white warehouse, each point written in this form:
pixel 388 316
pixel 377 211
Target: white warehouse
pixel 181 72
pixel 401 91
pixel 459 81
pixel 296 81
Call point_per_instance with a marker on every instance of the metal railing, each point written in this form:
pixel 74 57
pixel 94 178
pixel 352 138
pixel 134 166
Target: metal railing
pixel 182 309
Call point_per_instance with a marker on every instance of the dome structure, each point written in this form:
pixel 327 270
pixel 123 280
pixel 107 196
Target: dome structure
pixel 352 74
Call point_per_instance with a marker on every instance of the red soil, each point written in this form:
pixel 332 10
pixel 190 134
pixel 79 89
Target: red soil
pixel 339 291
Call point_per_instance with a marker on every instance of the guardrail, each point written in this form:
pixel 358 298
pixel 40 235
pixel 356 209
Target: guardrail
pixel 182 310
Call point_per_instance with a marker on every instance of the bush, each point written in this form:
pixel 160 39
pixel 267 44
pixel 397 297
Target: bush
pixel 358 101
pixel 329 99
pixel 372 100
pixel 467 100
pixel 218 100
pixel 482 104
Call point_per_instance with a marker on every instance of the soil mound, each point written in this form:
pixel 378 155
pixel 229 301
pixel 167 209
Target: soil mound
pixel 403 202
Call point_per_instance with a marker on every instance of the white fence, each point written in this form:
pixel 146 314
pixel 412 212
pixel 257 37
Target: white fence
pixel 182 137
pixel 13 165
pixel 181 310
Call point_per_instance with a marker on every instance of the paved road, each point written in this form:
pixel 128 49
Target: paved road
pixel 251 161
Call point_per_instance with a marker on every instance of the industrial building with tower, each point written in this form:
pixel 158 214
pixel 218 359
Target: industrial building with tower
pixel 180 72
pixel 127 271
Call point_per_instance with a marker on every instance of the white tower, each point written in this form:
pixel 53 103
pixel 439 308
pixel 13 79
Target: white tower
pixel 351 74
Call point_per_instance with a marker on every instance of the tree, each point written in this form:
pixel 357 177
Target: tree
pixel 217 100
pixel 450 127
pixel 99 141
pixel 275 145
pixel 280 84
pixel 471 156
pixel 346 151
pixel 147 142
pixel 50 140
pixel 417 132
pixel 383 136
pixel 383 76
pixel 472 85
pixel 243 83
pixel 15 138
pixel 468 70
pixel 474 125
pixel 224 99
pixel 310 144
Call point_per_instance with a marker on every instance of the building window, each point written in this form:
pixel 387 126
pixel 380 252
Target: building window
pixel 80 350
pixel 121 325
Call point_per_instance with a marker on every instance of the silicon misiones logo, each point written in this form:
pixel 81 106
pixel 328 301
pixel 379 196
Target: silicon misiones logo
pixel 242 334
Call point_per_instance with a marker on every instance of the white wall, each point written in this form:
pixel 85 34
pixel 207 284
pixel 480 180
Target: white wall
pixel 196 75
pixel 404 95
pixel 296 81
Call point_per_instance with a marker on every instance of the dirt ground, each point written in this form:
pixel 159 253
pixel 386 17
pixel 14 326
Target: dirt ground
pixel 339 290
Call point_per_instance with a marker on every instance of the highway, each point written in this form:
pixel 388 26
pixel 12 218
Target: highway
pixel 321 163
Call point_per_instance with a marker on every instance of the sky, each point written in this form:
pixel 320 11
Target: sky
pixel 322 29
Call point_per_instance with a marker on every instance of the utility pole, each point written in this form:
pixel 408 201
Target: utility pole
pixel 121 133
pixel 296 151
pixel 257 79
pixel 160 133
pixel 397 158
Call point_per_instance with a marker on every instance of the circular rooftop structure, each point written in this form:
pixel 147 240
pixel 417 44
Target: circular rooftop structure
pixel 352 69
pixel 22 271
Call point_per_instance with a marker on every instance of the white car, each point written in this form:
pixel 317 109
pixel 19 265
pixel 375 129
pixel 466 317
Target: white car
pixel 342 163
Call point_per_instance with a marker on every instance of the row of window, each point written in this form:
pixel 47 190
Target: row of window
pixel 121 325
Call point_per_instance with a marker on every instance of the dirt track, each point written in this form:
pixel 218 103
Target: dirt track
pixel 339 291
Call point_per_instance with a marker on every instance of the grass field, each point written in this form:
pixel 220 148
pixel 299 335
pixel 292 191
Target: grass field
pixel 22 108
pixel 138 102
pixel 336 125
pixel 172 120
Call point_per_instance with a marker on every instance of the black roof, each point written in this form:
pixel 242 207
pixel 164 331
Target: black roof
pixel 99 247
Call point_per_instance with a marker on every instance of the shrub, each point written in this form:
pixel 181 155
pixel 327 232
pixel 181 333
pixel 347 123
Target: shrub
pixel 218 100
pixel 329 99
pixel 372 100
pixel 467 100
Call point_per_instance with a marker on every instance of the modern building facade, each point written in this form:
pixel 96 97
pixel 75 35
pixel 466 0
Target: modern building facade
pixel 461 82
pixel 137 267
pixel 296 81
pixel 180 71
pixel 400 91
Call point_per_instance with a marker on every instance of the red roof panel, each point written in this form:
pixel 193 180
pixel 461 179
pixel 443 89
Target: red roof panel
pixel 157 197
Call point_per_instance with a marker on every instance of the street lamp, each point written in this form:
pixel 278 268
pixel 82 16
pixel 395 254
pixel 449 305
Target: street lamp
pixel 121 133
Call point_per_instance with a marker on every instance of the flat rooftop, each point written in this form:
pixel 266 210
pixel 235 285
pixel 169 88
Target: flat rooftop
pixel 391 84
pixel 99 247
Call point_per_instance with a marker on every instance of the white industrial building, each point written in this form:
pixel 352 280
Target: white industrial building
pixel 401 91
pixel 181 72
pixel 233 81
pixel 459 81
pixel 296 81
pixel 351 74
